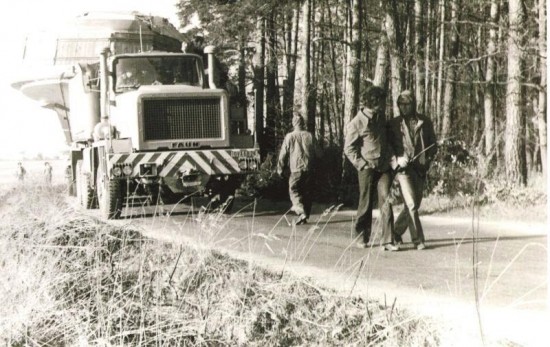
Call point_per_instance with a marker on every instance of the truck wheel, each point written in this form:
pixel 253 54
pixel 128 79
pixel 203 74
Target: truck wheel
pixel 109 195
pixel 84 190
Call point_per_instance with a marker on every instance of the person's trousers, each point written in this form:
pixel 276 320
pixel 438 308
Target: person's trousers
pixel 299 189
pixel 369 180
pixel 412 187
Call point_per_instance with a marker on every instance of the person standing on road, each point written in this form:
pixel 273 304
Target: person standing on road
pixel 48 174
pixel 367 149
pixel 413 140
pixel 297 153
pixel 20 172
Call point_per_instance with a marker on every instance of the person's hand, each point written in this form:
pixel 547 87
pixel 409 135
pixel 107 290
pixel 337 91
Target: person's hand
pixel 403 161
pixel 366 166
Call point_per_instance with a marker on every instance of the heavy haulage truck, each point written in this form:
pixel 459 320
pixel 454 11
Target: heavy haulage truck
pixel 145 122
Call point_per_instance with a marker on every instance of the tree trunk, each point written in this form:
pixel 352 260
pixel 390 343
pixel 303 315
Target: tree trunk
pixel 323 110
pixel 328 119
pixel 441 47
pixel 541 114
pixel 419 56
pixel 514 148
pixel 396 52
pixel 306 66
pixel 258 68
pixel 273 131
pixel 291 54
pixel 351 97
pixel 489 97
pixel 449 95
pixel 381 65
pixel 242 73
pixel 430 51
pixel 338 118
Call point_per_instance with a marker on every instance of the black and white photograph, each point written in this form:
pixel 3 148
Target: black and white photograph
pixel 274 173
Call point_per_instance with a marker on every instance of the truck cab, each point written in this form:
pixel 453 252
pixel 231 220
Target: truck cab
pixel 146 122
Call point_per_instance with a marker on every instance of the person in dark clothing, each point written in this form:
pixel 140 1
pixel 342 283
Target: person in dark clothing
pixel 20 172
pixel 367 149
pixel 48 173
pixel 298 153
pixel 413 140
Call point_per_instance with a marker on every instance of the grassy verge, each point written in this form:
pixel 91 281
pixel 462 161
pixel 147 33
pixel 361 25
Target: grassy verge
pixel 72 280
pixel 496 200
pixel 501 211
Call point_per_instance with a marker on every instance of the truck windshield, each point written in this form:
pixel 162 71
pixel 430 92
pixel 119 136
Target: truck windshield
pixel 133 72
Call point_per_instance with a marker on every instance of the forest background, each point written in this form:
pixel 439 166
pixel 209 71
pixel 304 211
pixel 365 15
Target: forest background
pixel 476 67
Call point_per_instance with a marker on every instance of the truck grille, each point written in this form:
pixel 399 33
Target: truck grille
pixel 173 119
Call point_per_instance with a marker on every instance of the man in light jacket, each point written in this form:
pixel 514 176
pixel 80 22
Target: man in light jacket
pixel 297 153
pixel 367 148
pixel 413 140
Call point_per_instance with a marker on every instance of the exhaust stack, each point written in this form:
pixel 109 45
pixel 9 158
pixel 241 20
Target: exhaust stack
pixel 104 85
pixel 210 50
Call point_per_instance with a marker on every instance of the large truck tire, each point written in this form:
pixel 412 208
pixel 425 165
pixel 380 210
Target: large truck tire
pixel 109 195
pixel 84 190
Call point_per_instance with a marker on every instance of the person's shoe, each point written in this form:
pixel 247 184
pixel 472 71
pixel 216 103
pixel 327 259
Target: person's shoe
pixel 390 247
pixel 361 244
pixel 302 219
pixel 398 240
pixel 421 246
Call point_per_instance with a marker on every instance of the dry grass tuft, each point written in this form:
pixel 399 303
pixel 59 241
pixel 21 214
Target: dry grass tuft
pixel 72 280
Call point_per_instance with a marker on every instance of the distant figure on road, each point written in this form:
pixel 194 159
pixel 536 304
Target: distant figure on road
pixel 20 172
pixel 297 153
pixel 413 141
pixel 367 148
pixel 48 173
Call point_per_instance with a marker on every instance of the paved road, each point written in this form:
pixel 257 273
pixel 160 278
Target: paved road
pixel 506 265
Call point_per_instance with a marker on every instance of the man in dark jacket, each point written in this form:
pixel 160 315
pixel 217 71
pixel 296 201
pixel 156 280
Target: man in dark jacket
pixel 367 149
pixel 298 152
pixel 413 141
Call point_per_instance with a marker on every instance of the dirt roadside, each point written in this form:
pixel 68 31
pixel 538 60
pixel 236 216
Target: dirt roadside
pixel 504 264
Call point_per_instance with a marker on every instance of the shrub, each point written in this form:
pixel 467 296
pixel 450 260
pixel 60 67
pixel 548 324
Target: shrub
pixel 453 171
pixel 326 179
pixel 266 182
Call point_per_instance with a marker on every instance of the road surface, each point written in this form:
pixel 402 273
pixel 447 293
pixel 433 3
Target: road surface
pixel 501 266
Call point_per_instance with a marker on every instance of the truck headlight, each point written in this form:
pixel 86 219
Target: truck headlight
pixel 117 171
pixel 242 164
pixel 127 169
pixel 253 165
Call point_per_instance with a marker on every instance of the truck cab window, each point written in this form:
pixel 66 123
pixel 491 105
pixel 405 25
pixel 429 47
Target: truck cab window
pixel 133 72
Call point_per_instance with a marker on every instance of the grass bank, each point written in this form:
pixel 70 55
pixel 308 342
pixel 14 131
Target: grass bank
pixel 70 279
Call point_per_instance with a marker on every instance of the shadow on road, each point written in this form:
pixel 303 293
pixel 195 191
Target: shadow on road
pixel 450 242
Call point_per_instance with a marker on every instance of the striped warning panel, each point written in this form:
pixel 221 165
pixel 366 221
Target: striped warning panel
pixel 210 162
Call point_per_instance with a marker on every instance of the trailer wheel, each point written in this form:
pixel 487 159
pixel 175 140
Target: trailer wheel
pixel 109 195
pixel 84 190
